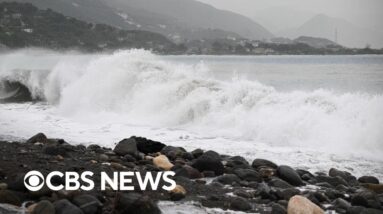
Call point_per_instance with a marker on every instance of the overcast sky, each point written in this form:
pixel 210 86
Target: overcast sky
pixel 361 12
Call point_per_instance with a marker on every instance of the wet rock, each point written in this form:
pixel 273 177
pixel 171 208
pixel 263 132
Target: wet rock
pixel 279 183
pixel 278 209
pixel 334 181
pixel 301 205
pixel 103 157
pixel 238 162
pixel 248 175
pixel 38 138
pixel 366 199
pixel 187 156
pixel 129 158
pixel 147 146
pixel 267 173
pixel 341 203
pixel 240 204
pixel 63 206
pixel 304 173
pixel 350 179
pixel 126 146
pixel 243 193
pixel 208 174
pixel 197 153
pixel 321 197
pixel 377 188
pixel 162 162
pixel 43 207
pixel 368 179
pixel 55 150
pixel 290 175
pixel 117 166
pixel 172 152
pixel 209 161
pixel 372 211
pixel 264 191
pixel 10 209
pixel 228 179
pixel 88 203
pixel 186 171
pixel 287 193
pixel 9 197
pixel 134 203
pixel 178 193
pixel 258 163
pixel 355 210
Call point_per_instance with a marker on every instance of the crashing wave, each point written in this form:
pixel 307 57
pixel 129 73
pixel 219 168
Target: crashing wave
pixel 148 89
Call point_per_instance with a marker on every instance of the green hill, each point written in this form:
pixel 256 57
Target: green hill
pixel 24 25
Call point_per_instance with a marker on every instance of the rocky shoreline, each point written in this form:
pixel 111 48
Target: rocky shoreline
pixel 204 177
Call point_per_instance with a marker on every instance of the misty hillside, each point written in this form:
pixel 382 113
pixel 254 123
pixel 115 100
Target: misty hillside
pixel 24 25
pixel 177 19
pixel 348 34
pixel 316 42
pixel 193 14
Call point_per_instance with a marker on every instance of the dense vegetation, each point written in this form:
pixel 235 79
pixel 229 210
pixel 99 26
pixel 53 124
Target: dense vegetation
pixel 24 25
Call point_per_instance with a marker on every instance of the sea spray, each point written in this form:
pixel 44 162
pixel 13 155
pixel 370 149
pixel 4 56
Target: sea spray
pixel 147 89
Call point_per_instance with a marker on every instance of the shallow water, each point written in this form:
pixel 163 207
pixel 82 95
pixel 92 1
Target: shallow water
pixel 311 112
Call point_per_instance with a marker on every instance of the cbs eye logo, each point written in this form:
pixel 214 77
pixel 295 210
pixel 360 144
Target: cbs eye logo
pixel 34 181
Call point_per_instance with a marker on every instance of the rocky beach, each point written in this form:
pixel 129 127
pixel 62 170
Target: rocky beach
pixel 204 179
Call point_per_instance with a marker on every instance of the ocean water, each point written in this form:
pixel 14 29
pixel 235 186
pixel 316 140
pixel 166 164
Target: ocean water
pixel 310 112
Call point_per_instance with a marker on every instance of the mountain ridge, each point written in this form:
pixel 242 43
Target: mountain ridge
pixel 186 23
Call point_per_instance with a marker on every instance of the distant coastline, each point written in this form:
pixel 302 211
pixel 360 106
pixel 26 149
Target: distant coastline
pixel 26 26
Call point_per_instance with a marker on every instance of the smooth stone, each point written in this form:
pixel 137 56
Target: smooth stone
pixel 147 146
pixel 88 203
pixel 366 199
pixel 10 209
pixel 286 194
pixel 377 188
pixel 368 179
pixel 340 202
pixel 44 207
pixel 240 204
pixel 290 175
pixel 162 162
pixel 242 193
pixel 334 181
pixel 38 138
pixel 238 162
pixel 104 157
pixel 278 209
pixel 126 146
pixel 172 152
pixel 197 153
pixel 264 191
pixel 64 206
pixel 248 175
pixel 55 150
pixel 209 161
pixel 135 203
pixel 9 197
pixel 279 183
pixel 258 163
pixel 301 205
pixel 228 179
pixel 186 171
pixel 178 193
pixel 348 177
